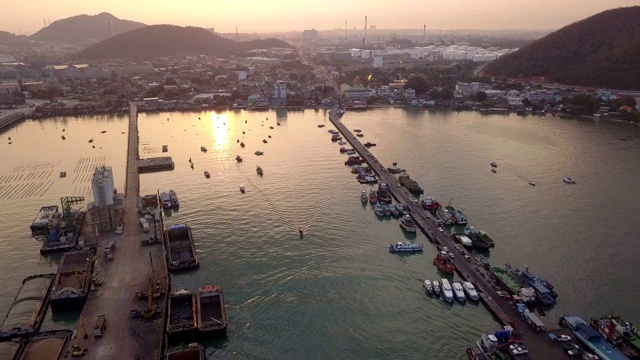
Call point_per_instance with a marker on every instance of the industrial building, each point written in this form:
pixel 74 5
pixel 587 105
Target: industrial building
pixel 102 211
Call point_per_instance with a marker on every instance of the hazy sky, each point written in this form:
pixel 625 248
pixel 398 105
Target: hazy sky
pixel 26 16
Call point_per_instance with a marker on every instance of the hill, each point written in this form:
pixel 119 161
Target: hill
pixel 7 38
pixel 165 40
pixel 83 29
pixel 602 50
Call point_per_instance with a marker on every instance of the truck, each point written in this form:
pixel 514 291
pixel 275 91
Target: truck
pixel 100 326
pixel 145 225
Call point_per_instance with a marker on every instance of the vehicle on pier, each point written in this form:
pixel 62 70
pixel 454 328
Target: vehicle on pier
pixel 443 262
pixel 73 280
pixel 212 315
pixel 405 246
pixel 28 308
pixel 180 248
pixel 430 204
pixel 182 320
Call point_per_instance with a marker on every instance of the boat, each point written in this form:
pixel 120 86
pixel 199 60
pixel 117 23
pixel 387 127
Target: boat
pixel 443 262
pixel 63 137
pixel 475 354
pixel 428 287
pixel 405 246
pixel 470 290
pixel 181 250
pixel 333 131
pixel 630 332
pixel 568 180
pixel 191 351
pixel 174 199
pixel 494 170
pixel 165 148
pixel 182 321
pixel 259 152
pixel 238 158
pixel 377 208
pixel 368 180
pixel 384 193
pixel 447 291
pixel 259 171
pixel 493 164
pixel 54 344
pixel 350 152
pixel 400 208
pixel 458 291
pixel 357 130
pixel 478 241
pixel 373 197
pixel 353 160
pixel 394 211
pixel 212 315
pixel 363 196
pixel 47 216
pixel 506 280
pixel 320 125
pixel 591 338
pixel 444 216
pixel 336 137
pixel 528 296
pixel 430 204
pixel 410 184
pixel 386 209
pixel 543 290
pixel 90 141
pixel 532 183
pixel 73 280
pixel 359 135
pixel 242 189
pixel 342 150
pixel 203 149
pixel 242 144
pixel 459 216
pixel 63 174
pixel 483 261
pixel 342 142
pixel 369 144
pixel 436 288
pixel 166 200
pixel 408 224
pixel 207 175
pixel 395 170
pixel 264 141
pixel 28 308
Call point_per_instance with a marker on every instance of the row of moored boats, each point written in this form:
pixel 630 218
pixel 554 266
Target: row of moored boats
pixel 450 292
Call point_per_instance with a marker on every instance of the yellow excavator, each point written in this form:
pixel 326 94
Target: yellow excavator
pixel 77 349
pixel 150 311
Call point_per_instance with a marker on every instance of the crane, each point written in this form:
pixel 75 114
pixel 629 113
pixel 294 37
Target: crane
pixel 150 311
pixel 77 350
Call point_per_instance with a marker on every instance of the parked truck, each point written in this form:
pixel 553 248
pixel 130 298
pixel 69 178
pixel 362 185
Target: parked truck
pixel 145 225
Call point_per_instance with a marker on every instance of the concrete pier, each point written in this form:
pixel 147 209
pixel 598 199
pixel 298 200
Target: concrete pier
pixel 538 343
pixel 128 272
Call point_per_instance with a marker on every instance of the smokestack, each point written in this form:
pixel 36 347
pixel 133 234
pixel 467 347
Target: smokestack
pixel 365 30
pixel 424 32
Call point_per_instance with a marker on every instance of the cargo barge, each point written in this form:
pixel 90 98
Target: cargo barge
pixel 10 350
pixel 591 338
pixel 29 307
pixel 49 345
pixel 182 320
pixel 212 316
pixel 188 352
pixel 180 248
pixel 73 280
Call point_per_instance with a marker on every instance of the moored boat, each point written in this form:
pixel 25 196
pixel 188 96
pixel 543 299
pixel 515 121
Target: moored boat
pixel 405 246
pixel 508 282
pixel 259 152
pixel 478 241
pixel 238 158
pixel 459 216
pixel 207 174
pixel 408 224
pixel 182 321
pixel 166 200
pixel 28 308
pixel 73 280
pixel 458 291
pixel 568 180
pixel 191 351
pixel 378 210
pixel 470 290
pixel 212 316
pixel 443 262
pixel 259 171
pixel 384 193
pixel 428 287
pixel 436 288
pixel 363 196
pixel 174 199
pixel 181 250
pixel 373 197
pixel 242 189
pixel 447 291
pixel 444 216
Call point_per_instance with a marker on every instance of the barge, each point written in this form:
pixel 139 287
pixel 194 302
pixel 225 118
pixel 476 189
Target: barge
pixel 410 184
pixel 212 316
pixel 73 280
pixel 180 248
pixel 506 280
pixel 182 320
pixel 47 217
pixel 49 345
pixel 192 351
pixel 10 350
pixel 29 307
pixel 591 338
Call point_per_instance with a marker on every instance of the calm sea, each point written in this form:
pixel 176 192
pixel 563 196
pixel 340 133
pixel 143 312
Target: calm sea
pixel 338 293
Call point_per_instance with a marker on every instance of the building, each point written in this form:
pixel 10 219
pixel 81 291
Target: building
pixel 471 88
pixel 102 209
pixel 310 35
pixel 384 90
pixel 80 71
pixel 378 61
pixel 280 90
pixel 410 94
pixel 514 100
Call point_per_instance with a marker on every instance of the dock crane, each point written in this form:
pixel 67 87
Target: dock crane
pixel 77 349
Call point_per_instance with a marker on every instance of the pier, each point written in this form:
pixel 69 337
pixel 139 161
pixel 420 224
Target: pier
pixel 537 342
pixel 133 269
pixel 6 120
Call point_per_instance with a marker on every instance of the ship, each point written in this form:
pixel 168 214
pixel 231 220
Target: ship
pixel 443 262
pixel 444 216
pixel 373 197
pixel 182 320
pixel 430 204
pixel 191 351
pixel 477 241
pixel 180 248
pixel 384 194
pixel 506 280
pixel 486 238
pixel 591 338
pixel 543 294
pixel 459 217
pixel 59 231
pixel 615 336
pixel 174 199
pixel 354 160
pixel 405 246
pixel 73 280
pixel 212 315
pixel 47 345
pixel 410 184
pixel 28 308
pixel 259 171
pixel 408 224
pixel 47 217
pixel 630 332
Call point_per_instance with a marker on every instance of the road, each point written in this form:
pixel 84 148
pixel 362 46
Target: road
pixel 538 343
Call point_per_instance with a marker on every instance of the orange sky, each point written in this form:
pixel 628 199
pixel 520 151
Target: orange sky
pixel 26 16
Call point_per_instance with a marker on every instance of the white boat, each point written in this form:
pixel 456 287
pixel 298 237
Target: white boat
pixel 459 291
pixel 447 291
pixel 405 246
pixel 350 152
pixel 363 196
pixel 568 180
pixel 207 175
pixel 427 286
pixel 436 288
pixel 470 290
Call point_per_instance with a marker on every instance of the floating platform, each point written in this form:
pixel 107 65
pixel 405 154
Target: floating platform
pixel 48 345
pixel 27 311
pixel 163 163
pixel 73 280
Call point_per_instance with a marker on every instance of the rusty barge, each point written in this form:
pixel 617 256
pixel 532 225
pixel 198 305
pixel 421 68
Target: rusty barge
pixel 29 307
pixel 73 280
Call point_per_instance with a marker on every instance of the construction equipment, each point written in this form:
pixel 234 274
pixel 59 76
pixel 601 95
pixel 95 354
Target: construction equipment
pixel 77 272
pixel 67 216
pixel 150 311
pixel 77 349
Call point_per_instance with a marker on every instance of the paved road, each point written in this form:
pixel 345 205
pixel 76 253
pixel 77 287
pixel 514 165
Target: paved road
pixel 539 345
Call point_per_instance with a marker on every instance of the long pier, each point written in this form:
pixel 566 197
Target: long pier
pixel 537 342
pixel 6 120
pixel 129 272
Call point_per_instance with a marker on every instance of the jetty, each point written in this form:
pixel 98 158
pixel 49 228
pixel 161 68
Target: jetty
pixel 504 311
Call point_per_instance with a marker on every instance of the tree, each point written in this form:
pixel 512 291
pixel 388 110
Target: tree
pixel 417 83
pixel 480 96
pixel 626 101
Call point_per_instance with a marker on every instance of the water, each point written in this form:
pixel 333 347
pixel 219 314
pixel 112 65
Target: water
pixel 337 293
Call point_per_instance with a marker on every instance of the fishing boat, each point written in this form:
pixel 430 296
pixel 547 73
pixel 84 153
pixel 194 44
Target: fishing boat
pixel 458 291
pixel 336 137
pixel 428 287
pixel 259 152
pixel 63 174
pixel 320 125
pixel 493 164
pixel 207 175
pixel 470 290
pixel 430 204
pixel 174 199
pixel 444 216
pixel 400 208
pixel 568 180
pixel 443 262
pixel 447 291
pixel 405 246
pixel 373 197
pixel 630 332
pixel 436 288
pixel 180 247
pixel 394 211
pixel 363 196
pixel 478 241
pixel 166 200
pixel 203 149
pixel 459 216
pixel 242 189
pixel 378 210
pixel 212 316
pixel 259 171
pixel 242 144
pixel 384 193
pixel 182 321
pixel 369 144
pixel 264 141
pixel 408 224
pixel 506 280
pixel 238 158
pixel 386 209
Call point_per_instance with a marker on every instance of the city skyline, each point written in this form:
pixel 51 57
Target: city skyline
pixel 287 15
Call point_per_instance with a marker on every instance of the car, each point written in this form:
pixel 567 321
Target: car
pixel 451 256
pixel 119 229
pixel 563 338
pixel 384 170
pixel 468 258
pixel 440 229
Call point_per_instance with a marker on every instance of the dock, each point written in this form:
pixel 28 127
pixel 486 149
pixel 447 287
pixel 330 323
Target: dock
pixel 505 312
pixel 6 120
pixel 162 163
pixel 136 266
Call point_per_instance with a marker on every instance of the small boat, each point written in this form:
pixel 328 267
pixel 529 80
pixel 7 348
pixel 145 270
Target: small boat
pixel 400 208
pixel 271 127
pixel 90 140
pixel 333 131
pixel 436 288
pixel 532 183
pixel 373 197
pixel 394 211
pixel 259 152
pixel 493 170
pixel 369 144
pixel 63 174
pixel 359 134
pixel 241 144
pixel 408 224
pixel 259 171
pixel 174 199
pixel 336 137
pixel 405 246
pixel 493 164
pixel 203 149
pixel 63 137
pixel 350 152
pixel 165 148
pixel 320 125
pixel 269 136
pixel 377 208
pixel 447 291
pixel 386 209
pixel 238 158
pixel 242 189
pixel 342 142
pixel 264 141
pixel 443 262
pixel 300 233
pixel 278 123
pixel 427 286
pixel 568 180
pixel 103 131
pixel 211 312
pixel 207 175
pixel 166 200
pixel 458 291
pixel 470 290
pixel 363 196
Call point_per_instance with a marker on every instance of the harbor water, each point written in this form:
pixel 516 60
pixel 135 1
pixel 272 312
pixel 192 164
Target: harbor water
pixel 337 292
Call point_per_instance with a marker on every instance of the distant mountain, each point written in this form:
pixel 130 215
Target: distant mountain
pixel 165 40
pixel 602 50
pixel 83 29
pixel 7 38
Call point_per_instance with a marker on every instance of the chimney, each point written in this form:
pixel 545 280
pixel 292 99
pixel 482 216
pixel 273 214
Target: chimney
pixel 365 31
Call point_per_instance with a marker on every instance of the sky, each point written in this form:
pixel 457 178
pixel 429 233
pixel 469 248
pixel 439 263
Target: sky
pixel 26 16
